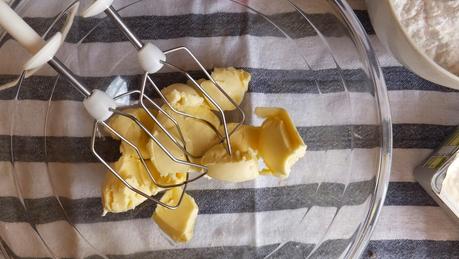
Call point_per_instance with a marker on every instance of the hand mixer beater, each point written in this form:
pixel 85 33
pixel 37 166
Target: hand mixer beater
pixel 102 107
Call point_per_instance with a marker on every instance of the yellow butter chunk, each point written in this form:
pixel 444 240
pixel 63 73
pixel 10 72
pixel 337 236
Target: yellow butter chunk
pixel 178 223
pixel 180 95
pixel 277 142
pixel 199 135
pixel 234 82
pixel 161 161
pixel 239 167
pixel 280 144
pixel 116 197
pixel 201 112
pixel 132 132
pixel 244 137
pixel 165 180
pixel 242 165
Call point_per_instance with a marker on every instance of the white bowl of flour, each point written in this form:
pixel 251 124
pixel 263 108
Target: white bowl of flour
pixel 422 34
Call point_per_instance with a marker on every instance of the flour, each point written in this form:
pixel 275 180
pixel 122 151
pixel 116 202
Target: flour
pixel 434 26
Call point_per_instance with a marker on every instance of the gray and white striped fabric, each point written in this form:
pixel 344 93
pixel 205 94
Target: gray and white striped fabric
pixel 411 224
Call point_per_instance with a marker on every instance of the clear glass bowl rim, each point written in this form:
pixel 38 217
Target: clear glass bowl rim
pixel 374 72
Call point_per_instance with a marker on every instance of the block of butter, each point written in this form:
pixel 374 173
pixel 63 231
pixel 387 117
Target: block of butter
pixel 182 95
pixel 280 144
pixel 235 82
pixel 239 167
pixel 245 137
pixel 132 132
pixel 186 99
pixel 116 197
pixel 198 134
pixel 277 142
pixel 177 223
pixel 160 160
pixel 165 180
pixel 242 165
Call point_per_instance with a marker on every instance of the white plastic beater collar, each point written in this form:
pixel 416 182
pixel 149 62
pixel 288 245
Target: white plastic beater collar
pixel 96 8
pixel 149 55
pixel 45 54
pixel 150 58
pixel 99 105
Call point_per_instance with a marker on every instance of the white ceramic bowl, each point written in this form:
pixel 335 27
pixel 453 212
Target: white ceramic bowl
pixel 392 34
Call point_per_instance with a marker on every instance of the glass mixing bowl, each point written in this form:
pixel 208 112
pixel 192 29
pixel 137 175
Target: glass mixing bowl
pixel 311 57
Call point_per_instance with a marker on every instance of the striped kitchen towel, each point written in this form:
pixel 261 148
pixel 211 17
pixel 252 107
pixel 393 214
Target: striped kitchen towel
pixel 50 182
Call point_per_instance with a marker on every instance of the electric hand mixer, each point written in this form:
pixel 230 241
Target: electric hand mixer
pixel 102 107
